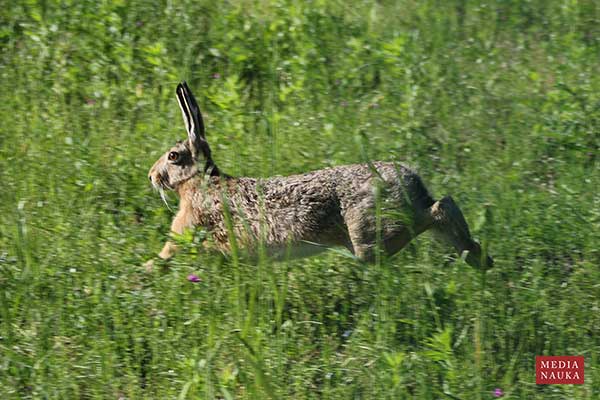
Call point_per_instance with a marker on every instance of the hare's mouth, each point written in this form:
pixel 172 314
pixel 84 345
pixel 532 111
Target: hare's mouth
pixel 160 181
pixel 163 182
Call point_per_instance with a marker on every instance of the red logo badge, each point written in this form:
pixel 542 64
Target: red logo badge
pixel 559 370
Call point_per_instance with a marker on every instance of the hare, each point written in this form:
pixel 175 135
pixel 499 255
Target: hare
pixel 366 208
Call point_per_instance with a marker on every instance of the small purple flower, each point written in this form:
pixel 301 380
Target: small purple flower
pixel 216 75
pixel 90 101
pixel 139 24
pixel 344 104
pixel 193 278
pixel 498 392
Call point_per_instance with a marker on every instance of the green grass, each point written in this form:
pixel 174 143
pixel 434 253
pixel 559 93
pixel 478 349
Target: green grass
pixel 495 102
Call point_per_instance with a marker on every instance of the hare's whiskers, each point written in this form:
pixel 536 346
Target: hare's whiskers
pixel 163 196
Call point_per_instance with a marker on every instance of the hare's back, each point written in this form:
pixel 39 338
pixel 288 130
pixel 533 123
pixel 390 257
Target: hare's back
pixel 356 184
pixel 331 190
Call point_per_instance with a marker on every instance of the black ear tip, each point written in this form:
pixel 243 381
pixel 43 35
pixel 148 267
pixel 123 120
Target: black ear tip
pixel 184 88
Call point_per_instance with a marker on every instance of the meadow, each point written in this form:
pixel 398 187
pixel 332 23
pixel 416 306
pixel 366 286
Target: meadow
pixel 496 102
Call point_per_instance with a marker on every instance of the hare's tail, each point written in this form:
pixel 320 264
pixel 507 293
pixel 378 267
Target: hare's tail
pixel 419 196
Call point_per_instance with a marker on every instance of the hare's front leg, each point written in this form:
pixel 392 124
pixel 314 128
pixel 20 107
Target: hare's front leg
pixel 181 222
pixel 168 250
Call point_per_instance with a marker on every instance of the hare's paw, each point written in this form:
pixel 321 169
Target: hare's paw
pixel 149 265
pixel 477 258
pixel 156 263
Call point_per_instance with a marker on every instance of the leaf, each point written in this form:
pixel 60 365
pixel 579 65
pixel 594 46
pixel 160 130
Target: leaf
pixel 185 390
pixel 440 346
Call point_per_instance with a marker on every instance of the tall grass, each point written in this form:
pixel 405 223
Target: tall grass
pixel 495 102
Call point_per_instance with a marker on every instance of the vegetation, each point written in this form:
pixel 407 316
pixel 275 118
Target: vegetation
pixel 495 102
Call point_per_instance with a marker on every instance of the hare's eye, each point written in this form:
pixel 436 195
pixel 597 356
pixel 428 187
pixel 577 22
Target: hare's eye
pixel 173 156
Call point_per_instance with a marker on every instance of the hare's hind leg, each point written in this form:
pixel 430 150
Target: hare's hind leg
pixel 395 235
pixel 361 231
pixel 449 225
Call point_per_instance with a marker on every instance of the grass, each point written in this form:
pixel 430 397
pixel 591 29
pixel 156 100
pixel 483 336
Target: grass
pixel 495 102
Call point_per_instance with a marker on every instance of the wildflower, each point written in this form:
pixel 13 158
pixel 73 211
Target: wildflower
pixel 216 75
pixel 193 278
pixel 498 392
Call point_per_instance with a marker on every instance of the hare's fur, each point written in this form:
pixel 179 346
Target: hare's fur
pixel 363 207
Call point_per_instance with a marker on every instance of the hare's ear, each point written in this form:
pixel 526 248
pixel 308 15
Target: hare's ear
pixel 193 120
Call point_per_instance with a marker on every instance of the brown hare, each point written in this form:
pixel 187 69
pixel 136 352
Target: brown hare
pixel 363 207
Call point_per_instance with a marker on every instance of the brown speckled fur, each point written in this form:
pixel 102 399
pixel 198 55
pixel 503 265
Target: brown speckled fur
pixel 304 214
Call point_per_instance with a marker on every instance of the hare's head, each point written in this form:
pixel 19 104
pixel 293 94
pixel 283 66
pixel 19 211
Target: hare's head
pixel 189 157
